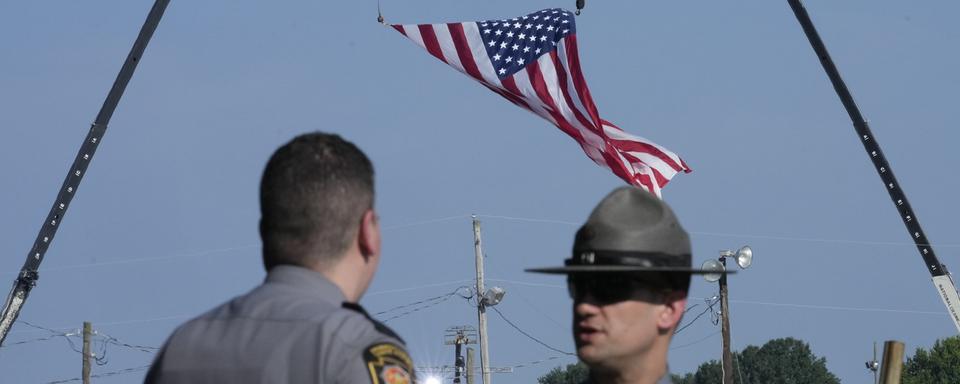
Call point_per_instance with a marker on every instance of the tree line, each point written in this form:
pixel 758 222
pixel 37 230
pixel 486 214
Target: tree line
pixel 789 360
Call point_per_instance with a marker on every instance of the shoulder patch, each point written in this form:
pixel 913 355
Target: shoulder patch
pixel 389 363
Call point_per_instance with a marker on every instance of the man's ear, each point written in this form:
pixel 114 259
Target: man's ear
pixel 368 237
pixel 672 310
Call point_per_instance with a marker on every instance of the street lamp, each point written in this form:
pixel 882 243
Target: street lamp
pixel 744 258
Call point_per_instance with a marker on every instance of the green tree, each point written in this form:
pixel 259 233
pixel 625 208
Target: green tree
pixel 786 360
pixel 571 374
pixel 939 365
pixel 710 372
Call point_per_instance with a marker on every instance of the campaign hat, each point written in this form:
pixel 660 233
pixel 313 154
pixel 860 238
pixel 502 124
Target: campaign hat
pixel 630 230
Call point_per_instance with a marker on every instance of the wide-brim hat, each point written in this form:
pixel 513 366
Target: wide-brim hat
pixel 630 230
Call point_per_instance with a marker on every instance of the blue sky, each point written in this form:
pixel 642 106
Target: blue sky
pixel 164 224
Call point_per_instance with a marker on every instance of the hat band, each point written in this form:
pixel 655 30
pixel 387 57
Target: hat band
pixel 640 259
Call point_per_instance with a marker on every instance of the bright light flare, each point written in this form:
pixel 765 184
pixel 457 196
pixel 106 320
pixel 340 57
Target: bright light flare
pixel 432 380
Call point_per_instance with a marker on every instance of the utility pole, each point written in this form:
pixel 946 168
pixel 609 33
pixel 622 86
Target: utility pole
pixel 725 324
pixel 744 258
pixel 458 336
pixel 470 365
pixel 892 366
pixel 481 306
pixel 87 331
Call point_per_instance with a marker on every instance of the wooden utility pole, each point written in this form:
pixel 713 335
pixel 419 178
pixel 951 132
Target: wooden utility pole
pixel 87 331
pixel 725 324
pixel 481 307
pixel 892 365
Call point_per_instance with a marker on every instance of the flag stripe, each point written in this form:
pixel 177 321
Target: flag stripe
pixel 562 84
pixel 628 142
pixel 563 60
pixel 445 40
pixel 413 32
pixel 509 83
pixel 573 61
pixel 430 41
pixel 550 76
pixel 464 53
pixel 531 82
pixel 627 136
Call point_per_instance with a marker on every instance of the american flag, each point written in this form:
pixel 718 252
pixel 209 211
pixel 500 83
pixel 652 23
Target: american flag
pixel 533 62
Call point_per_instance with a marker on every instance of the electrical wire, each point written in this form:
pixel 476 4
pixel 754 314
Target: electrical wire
pixel 495 309
pixel 105 374
pixel 524 365
pixel 837 308
pixel 740 235
pixel 696 342
pixel 399 307
pixel 424 222
pixel 530 220
pixel 423 304
pixel 418 287
pixel 114 341
pixel 689 323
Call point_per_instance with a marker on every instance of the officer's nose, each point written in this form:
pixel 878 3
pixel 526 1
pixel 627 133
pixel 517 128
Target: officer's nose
pixel 585 305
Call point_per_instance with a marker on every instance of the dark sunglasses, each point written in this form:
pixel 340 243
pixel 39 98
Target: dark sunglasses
pixel 609 288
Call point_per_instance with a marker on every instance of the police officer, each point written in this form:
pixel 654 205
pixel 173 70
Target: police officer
pixel 321 247
pixel 628 277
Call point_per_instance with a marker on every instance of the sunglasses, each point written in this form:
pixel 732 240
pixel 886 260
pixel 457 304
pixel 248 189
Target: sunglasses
pixel 609 289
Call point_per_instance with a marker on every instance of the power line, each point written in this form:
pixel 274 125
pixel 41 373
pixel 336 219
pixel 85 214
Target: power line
pixel 495 309
pixel 530 220
pixel 105 374
pixel 696 342
pixel 418 287
pixel 529 284
pixel 739 235
pixel 113 340
pixel 837 308
pixel 441 297
pixel 708 309
pixel 523 365
pixel 424 222
pixel 148 259
pixel 423 304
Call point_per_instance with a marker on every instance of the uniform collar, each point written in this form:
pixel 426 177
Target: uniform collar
pixel 306 279
pixel 663 380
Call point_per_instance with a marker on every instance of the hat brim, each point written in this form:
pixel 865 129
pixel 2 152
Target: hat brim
pixel 623 268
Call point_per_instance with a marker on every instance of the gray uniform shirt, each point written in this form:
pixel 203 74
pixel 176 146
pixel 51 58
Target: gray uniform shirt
pixel 663 380
pixel 294 328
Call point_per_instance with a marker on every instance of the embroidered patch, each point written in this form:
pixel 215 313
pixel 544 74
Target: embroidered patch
pixel 389 364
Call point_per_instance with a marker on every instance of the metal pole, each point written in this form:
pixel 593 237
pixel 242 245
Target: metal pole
pixel 725 326
pixel 941 279
pixel 892 365
pixel 28 276
pixel 87 331
pixel 873 366
pixel 457 362
pixel 481 307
